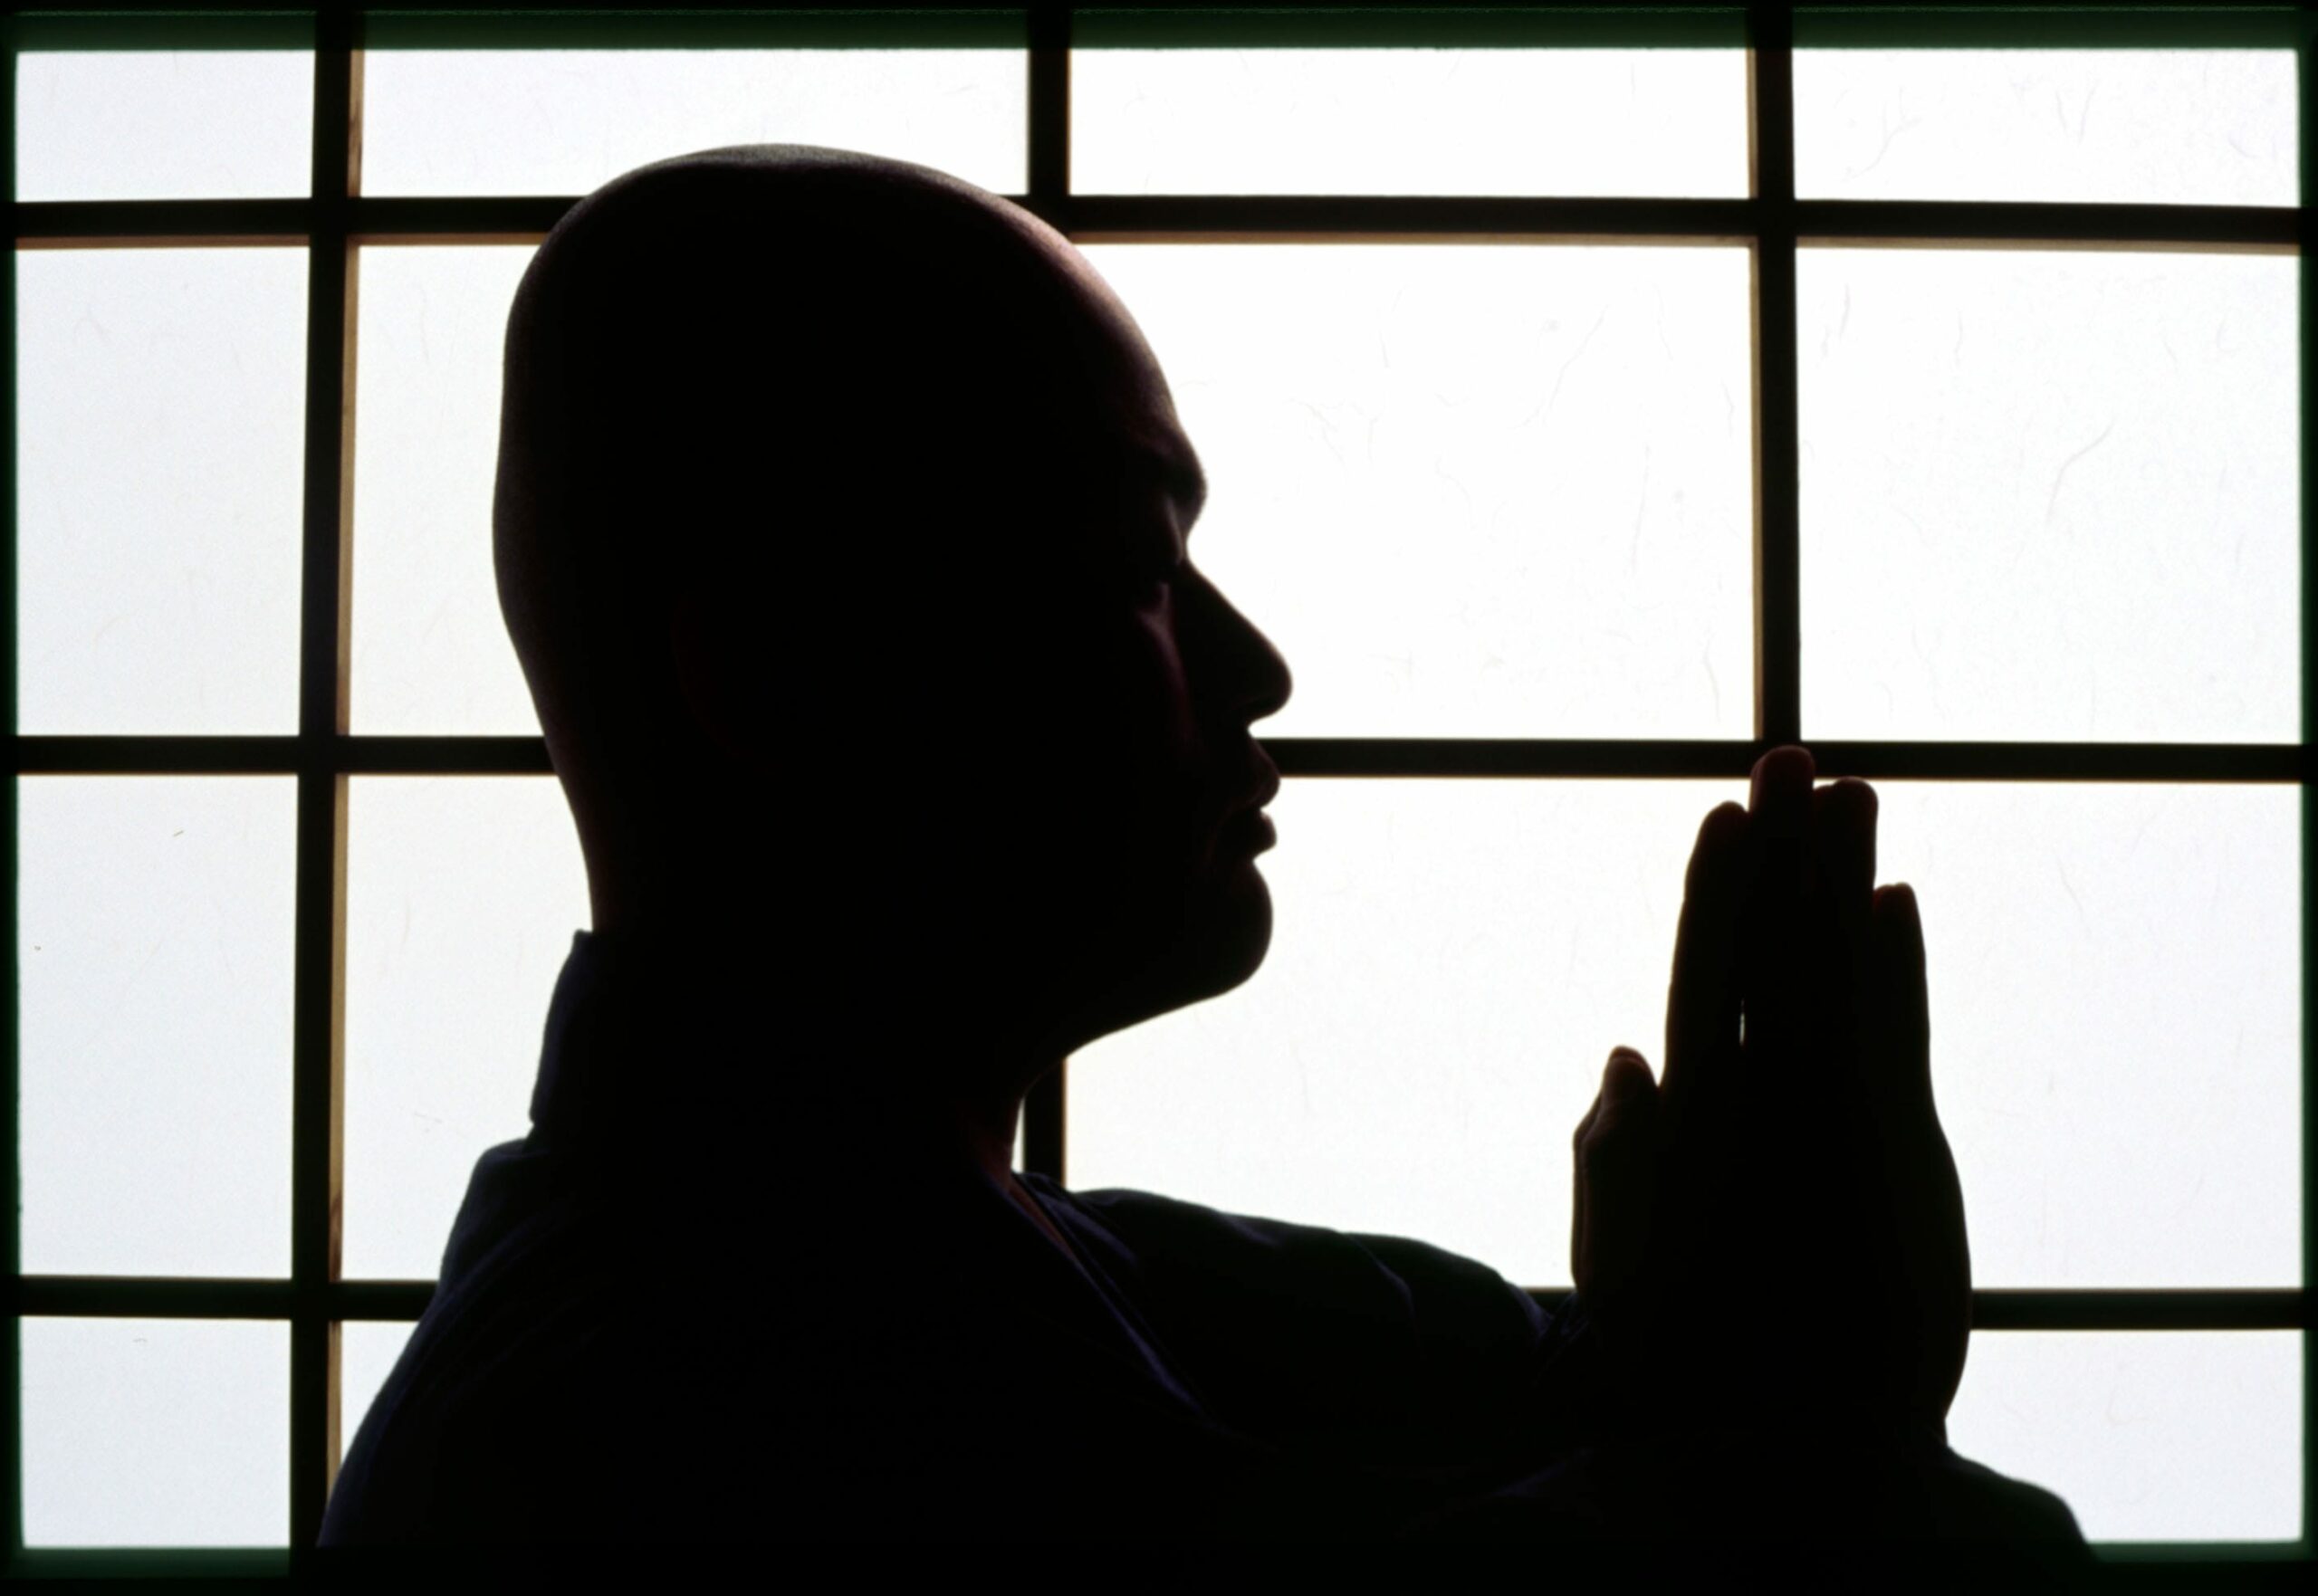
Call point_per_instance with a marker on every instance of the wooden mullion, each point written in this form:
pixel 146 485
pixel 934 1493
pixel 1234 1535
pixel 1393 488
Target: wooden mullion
pixel 317 1165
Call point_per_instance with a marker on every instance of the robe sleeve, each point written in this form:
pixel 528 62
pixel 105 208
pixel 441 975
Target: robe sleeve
pixel 1375 1347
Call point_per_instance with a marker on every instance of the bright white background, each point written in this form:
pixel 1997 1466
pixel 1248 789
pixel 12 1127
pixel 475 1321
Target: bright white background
pixel 1409 121
pixel 2077 518
pixel 1472 491
pixel 562 121
pixel 160 445
pixel 2152 127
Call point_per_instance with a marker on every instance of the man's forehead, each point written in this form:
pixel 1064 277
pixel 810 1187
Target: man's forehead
pixel 1123 408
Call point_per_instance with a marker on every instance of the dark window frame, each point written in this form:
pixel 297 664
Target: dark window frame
pixel 332 223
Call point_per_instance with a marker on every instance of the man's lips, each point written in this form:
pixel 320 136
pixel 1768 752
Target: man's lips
pixel 1250 827
pixel 1265 788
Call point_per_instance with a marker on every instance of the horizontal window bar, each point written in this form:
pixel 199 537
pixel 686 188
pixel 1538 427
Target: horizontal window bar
pixel 98 1296
pixel 2094 27
pixel 1270 215
pixel 1401 26
pixel 104 1297
pixel 2190 1565
pixel 162 30
pixel 819 27
pixel 2280 1309
pixel 282 756
pixel 1347 24
pixel 151 1563
pixel 1319 219
pixel 1930 761
pixel 1295 756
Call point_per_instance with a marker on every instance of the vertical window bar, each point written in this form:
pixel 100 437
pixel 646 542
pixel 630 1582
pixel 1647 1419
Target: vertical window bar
pixel 11 1340
pixel 1770 147
pixel 1049 134
pixel 316 1153
pixel 2305 85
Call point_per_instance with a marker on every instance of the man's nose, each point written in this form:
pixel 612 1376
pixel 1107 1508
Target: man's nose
pixel 1247 672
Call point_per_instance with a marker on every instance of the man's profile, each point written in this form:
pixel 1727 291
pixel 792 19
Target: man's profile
pixel 842 529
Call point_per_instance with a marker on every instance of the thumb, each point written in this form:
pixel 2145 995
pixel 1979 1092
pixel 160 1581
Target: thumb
pixel 1616 1162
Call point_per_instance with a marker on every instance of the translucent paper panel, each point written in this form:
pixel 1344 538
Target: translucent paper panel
pixel 155 918
pixel 1507 121
pixel 2147 1435
pixel 186 124
pixel 367 1354
pixel 160 425
pixel 2188 127
pixel 431 651
pixel 2113 974
pixel 2049 495
pixel 156 1432
pixel 564 121
pixel 1471 490
pixel 462 897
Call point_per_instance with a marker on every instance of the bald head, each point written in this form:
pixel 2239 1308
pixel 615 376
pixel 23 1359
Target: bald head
pixel 794 378
pixel 841 530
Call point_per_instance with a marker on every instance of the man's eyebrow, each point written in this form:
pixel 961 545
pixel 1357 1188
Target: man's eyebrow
pixel 1180 474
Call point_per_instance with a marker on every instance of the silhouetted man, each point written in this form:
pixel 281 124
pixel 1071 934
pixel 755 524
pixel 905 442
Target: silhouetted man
pixel 842 528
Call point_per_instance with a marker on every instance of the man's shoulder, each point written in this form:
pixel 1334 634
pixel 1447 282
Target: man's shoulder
pixel 1167 1225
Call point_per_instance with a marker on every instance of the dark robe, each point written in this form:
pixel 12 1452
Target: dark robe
pixel 660 1326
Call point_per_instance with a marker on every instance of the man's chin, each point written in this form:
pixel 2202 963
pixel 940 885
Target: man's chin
pixel 1229 944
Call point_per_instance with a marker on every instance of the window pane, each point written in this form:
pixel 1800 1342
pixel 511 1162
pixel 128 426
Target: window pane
pixel 2147 1435
pixel 154 920
pixel 2049 495
pixel 156 1432
pixel 368 1351
pixel 564 121
pixel 462 898
pixel 178 124
pixel 159 425
pixel 1471 490
pixel 2116 1014
pixel 431 650
pixel 1468 121
pixel 2113 974
pixel 2152 127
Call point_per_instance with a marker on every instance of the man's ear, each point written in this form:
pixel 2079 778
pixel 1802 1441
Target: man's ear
pixel 707 674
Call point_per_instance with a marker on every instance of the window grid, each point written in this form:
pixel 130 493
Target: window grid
pixel 333 221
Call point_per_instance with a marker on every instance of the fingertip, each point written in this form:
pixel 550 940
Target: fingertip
pixel 1722 839
pixel 1785 764
pixel 1780 798
pixel 1626 1071
pixel 1847 796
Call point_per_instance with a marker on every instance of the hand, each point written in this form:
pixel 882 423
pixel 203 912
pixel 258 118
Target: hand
pixel 1773 1234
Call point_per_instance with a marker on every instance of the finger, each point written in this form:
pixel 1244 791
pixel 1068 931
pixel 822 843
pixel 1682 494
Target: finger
pixel 1843 842
pixel 1902 996
pixel 1627 1098
pixel 1628 1088
pixel 1615 1162
pixel 1702 993
pixel 1841 902
pixel 1772 966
